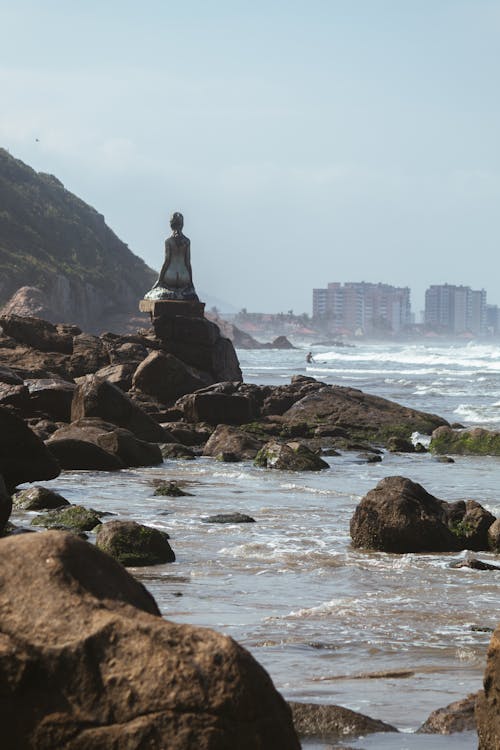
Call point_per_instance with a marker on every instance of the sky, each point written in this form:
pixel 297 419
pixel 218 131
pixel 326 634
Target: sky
pixel 304 142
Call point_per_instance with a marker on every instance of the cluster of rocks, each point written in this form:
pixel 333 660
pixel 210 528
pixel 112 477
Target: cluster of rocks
pixel 69 400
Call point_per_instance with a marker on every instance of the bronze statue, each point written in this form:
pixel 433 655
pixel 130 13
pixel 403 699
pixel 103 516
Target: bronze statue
pixel 175 281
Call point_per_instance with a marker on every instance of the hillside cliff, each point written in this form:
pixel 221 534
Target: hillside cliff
pixel 52 240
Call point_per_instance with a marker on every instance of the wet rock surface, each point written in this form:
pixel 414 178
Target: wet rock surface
pixel 292 456
pixel 134 543
pixel 400 516
pixel 330 722
pixel 120 675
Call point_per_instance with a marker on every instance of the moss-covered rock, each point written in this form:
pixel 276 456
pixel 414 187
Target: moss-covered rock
pixel 170 489
pixel 293 456
pixel 474 442
pixel 134 544
pixel 38 498
pixel 74 517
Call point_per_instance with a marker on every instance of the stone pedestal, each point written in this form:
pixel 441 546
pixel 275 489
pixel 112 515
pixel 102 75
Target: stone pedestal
pixel 168 308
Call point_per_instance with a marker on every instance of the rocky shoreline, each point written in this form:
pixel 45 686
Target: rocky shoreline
pixel 70 400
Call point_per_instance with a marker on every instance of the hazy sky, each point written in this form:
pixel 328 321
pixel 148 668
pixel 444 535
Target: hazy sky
pixel 305 142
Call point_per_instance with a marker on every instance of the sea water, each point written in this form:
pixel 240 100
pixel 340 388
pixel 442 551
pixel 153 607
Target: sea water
pixel 391 636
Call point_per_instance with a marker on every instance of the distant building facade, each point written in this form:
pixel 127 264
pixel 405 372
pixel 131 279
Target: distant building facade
pixel 455 309
pixel 363 307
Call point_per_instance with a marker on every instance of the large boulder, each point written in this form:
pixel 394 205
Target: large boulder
pixel 228 439
pixel 364 416
pixel 400 516
pixel 292 456
pixel 134 544
pixel 166 377
pixel 119 374
pixel 120 443
pixel 23 456
pixel 87 662
pixel 95 397
pixel 74 454
pixel 473 442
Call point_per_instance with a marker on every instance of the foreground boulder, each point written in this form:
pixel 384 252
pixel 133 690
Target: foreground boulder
pixel 400 516
pixel 332 722
pixel 473 442
pixel 23 456
pixel 292 456
pixel 87 663
pixel 134 544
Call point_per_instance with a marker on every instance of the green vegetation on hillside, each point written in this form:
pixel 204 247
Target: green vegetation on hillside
pixel 46 231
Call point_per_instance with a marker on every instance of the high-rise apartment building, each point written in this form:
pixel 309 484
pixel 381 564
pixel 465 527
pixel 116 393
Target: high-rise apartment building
pixel 363 307
pixel 455 309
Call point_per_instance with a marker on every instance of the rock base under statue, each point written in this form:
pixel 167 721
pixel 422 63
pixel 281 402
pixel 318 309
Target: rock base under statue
pixel 168 308
pixel 181 329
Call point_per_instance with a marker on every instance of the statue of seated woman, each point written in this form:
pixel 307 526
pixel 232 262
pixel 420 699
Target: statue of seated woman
pixel 175 281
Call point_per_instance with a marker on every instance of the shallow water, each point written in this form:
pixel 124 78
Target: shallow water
pixel 325 620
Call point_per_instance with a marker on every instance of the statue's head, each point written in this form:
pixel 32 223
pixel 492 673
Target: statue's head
pixel 176 221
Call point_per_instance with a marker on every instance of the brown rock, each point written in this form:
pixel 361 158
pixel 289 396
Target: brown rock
pixel 188 434
pixel 87 663
pixel 400 516
pixel 362 415
pixel 36 333
pixel 197 342
pixel 218 408
pixel 333 722
pixel 74 455
pixel 167 378
pixel 23 456
pixel 456 717
pixel 98 398
pixel 121 443
pixel 89 355
pixel 120 374
pixel 227 439
pixel 51 397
